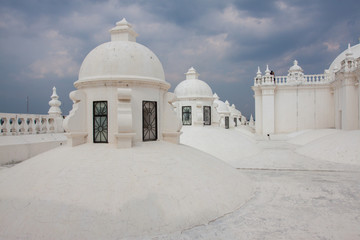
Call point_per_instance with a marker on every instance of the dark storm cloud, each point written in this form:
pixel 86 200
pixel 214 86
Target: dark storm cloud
pixel 42 42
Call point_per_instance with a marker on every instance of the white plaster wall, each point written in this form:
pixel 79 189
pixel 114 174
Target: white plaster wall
pixel 324 108
pixel 303 107
pixel 306 108
pixel 350 108
pixel 197 110
pixel 285 110
pixel 268 104
pixel 109 94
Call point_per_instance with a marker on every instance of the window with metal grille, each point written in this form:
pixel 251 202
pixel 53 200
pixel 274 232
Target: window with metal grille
pixel 207 115
pixel 100 122
pixel 186 115
pixel 149 120
pixel 226 122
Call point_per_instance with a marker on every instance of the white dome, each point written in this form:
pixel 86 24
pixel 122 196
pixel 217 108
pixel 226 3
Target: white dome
pixel 295 67
pixel 192 87
pixel 121 59
pixel 337 62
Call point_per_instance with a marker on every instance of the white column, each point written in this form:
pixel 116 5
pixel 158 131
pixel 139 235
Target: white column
pixel 350 112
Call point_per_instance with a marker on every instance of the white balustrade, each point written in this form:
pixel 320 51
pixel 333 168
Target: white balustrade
pixel 307 79
pixel 20 124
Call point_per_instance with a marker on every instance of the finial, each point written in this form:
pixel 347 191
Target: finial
pixel 295 62
pixel 191 74
pixel 215 96
pixel 227 103
pixel 267 71
pixel 123 32
pixel 349 52
pixel 54 104
pixel 258 71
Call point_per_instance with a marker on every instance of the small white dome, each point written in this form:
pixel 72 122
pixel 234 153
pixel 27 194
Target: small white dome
pixel 192 87
pixel 295 67
pixel 121 59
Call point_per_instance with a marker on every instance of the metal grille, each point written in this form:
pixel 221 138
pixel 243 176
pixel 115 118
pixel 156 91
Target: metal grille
pixel 207 115
pixel 186 115
pixel 226 122
pixel 149 121
pixel 100 122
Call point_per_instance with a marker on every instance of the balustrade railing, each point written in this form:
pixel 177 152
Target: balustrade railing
pixel 307 79
pixel 19 124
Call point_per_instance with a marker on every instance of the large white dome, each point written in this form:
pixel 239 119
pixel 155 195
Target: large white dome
pixel 121 59
pixel 192 87
pixel 336 64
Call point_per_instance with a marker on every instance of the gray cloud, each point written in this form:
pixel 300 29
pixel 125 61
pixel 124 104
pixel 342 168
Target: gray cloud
pixel 42 43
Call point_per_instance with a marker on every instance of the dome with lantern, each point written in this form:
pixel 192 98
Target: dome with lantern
pixel 121 59
pixel 296 73
pixel 193 87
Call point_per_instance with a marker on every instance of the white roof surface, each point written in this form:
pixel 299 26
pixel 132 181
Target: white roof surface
pixel 95 191
pixel 299 193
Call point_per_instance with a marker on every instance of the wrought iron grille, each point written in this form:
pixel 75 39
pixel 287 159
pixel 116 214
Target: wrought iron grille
pixel 186 115
pixel 149 121
pixel 226 122
pixel 207 115
pixel 100 122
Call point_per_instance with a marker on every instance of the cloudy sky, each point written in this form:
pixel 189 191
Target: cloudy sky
pixel 43 42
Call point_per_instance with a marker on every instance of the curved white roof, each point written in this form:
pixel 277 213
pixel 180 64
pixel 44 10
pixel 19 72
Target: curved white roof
pixel 337 61
pixel 295 67
pixel 121 59
pixel 192 87
pixel 99 192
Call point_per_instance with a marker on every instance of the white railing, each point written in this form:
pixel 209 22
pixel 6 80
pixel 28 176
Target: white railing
pixel 307 79
pixel 19 124
pixel 279 80
pixel 315 78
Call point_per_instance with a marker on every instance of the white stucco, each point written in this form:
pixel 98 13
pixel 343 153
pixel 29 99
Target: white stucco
pixel 96 192
pixel 124 74
pixel 297 102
